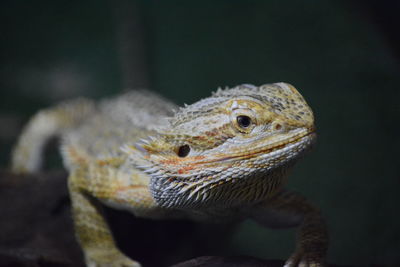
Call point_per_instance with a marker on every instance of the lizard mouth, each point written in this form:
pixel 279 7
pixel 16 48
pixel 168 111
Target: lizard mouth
pixel 298 143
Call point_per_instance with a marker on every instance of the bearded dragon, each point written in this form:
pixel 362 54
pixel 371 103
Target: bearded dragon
pixel 224 158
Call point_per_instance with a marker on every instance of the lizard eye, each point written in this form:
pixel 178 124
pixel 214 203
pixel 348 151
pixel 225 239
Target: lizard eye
pixel 183 151
pixel 243 121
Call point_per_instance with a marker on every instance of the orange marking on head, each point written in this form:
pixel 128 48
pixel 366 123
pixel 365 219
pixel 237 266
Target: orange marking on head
pixel 186 169
pixel 177 160
pixel 214 132
pixel 200 137
pixel 172 161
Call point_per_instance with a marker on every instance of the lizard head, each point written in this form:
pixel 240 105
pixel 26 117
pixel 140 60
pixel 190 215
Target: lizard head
pixel 230 148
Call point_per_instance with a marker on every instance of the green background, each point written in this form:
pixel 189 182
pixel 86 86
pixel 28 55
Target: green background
pixel 332 51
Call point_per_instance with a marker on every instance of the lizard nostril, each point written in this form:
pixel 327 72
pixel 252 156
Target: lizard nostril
pixel 183 151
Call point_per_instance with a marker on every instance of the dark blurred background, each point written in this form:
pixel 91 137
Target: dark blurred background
pixel 343 56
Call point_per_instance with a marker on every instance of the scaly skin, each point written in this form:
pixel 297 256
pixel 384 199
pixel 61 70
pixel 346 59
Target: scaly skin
pixel 224 158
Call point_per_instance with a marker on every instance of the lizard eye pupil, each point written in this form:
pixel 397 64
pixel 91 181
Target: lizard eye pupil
pixel 183 151
pixel 243 121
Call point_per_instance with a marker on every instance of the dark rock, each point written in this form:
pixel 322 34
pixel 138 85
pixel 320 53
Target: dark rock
pixel 32 258
pixel 237 261
pixel 36 226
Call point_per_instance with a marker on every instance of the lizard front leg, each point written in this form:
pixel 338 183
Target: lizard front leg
pixel 86 186
pixel 288 209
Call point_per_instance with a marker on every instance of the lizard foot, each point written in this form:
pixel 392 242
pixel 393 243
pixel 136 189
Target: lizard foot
pixel 110 259
pixel 304 259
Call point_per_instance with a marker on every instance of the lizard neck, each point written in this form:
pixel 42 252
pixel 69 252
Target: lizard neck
pixel 230 194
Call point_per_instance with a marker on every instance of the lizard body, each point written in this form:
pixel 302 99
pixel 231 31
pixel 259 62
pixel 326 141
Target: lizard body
pixel 223 158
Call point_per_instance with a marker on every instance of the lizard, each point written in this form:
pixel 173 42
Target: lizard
pixel 225 158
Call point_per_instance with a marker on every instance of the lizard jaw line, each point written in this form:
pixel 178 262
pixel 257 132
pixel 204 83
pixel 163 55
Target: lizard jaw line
pixel 281 145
